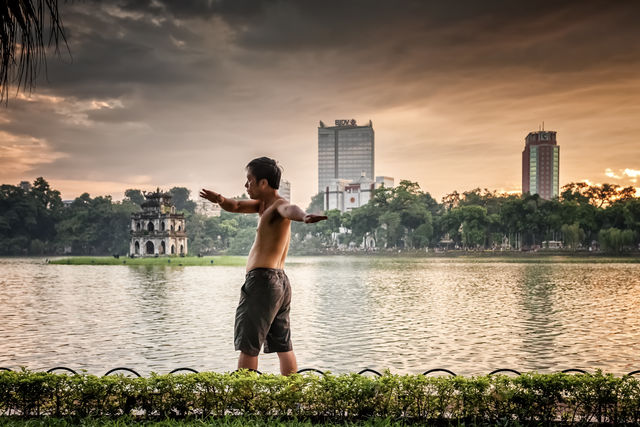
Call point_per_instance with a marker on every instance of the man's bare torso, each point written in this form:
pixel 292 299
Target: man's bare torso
pixel 270 248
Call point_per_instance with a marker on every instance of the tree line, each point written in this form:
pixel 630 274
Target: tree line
pixel 37 222
pixel 606 217
pixel 603 217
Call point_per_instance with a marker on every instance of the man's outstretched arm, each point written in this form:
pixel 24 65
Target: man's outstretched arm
pixel 230 205
pixel 294 213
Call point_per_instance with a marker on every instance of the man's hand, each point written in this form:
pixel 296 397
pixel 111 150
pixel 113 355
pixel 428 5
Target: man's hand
pixel 311 218
pixel 211 196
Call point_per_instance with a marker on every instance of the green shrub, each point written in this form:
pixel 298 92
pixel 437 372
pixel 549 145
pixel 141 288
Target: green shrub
pixel 526 399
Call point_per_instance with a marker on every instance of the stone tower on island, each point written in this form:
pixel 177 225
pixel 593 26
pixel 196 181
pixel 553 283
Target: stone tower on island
pixel 158 229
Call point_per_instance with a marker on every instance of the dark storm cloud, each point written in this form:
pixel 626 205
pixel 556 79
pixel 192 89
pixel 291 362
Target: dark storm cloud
pixel 181 84
pixel 241 10
pixel 113 53
pixel 542 34
pixel 427 36
pixel 122 46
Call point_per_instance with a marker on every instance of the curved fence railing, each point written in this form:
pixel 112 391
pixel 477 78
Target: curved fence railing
pixel 317 371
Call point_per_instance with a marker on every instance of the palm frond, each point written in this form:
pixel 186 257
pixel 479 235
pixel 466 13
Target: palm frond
pixel 22 41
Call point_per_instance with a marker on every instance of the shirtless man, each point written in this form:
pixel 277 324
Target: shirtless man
pixel 262 316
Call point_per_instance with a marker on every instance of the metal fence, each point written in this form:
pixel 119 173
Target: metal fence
pixel 318 371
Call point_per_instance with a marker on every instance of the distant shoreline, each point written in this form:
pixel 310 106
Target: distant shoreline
pixel 470 256
pixel 498 256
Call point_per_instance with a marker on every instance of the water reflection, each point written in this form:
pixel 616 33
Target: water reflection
pixel 536 298
pixel 348 313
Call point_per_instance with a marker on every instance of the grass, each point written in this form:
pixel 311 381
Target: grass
pixel 172 261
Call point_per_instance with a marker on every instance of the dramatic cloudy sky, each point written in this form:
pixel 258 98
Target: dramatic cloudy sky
pixel 177 92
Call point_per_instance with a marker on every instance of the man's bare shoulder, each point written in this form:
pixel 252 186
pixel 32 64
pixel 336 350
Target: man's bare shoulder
pixel 270 209
pixel 275 209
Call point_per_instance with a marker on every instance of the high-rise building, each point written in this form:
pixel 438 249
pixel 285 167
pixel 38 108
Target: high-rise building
pixel 285 190
pixel 541 164
pixel 345 151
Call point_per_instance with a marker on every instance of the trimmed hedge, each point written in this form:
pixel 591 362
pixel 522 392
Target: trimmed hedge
pixel 529 398
pixel 228 421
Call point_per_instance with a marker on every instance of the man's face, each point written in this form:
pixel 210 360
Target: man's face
pixel 251 185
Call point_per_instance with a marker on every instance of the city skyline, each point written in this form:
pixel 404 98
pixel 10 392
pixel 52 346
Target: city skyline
pixel 185 94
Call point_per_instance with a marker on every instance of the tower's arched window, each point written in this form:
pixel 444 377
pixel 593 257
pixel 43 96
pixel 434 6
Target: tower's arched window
pixel 150 226
pixel 161 225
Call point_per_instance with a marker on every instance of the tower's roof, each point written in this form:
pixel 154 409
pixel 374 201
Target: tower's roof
pixel 158 194
pixel 151 203
pixel 156 199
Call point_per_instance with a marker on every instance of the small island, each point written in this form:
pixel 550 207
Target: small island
pixel 170 261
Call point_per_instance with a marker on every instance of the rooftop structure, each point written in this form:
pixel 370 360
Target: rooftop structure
pixel 346 195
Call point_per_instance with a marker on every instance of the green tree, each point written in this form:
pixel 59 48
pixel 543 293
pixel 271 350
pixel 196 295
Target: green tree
pixel 228 229
pixel 134 195
pixel 572 235
pixel 18 220
pixel 390 232
pixel 615 240
pixel 317 204
pixel 451 200
pixel 28 219
pixel 631 213
pixel 422 235
pixel 327 229
pixel 95 226
pixel 474 225
pixel 430 203
pixel 242 242
pixel 364 221
pixel 512 213
pixel 49 206
pixel 450 222
pixel 200 242
pixel 180 199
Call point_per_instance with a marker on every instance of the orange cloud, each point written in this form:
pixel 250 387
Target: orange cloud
pixel 630 174
pixel 19 155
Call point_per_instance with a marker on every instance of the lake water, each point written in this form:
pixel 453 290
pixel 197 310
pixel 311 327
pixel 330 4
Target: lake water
pixel 348 313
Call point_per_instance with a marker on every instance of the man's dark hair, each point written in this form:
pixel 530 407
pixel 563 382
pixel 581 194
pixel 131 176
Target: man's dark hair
pixel 265 168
